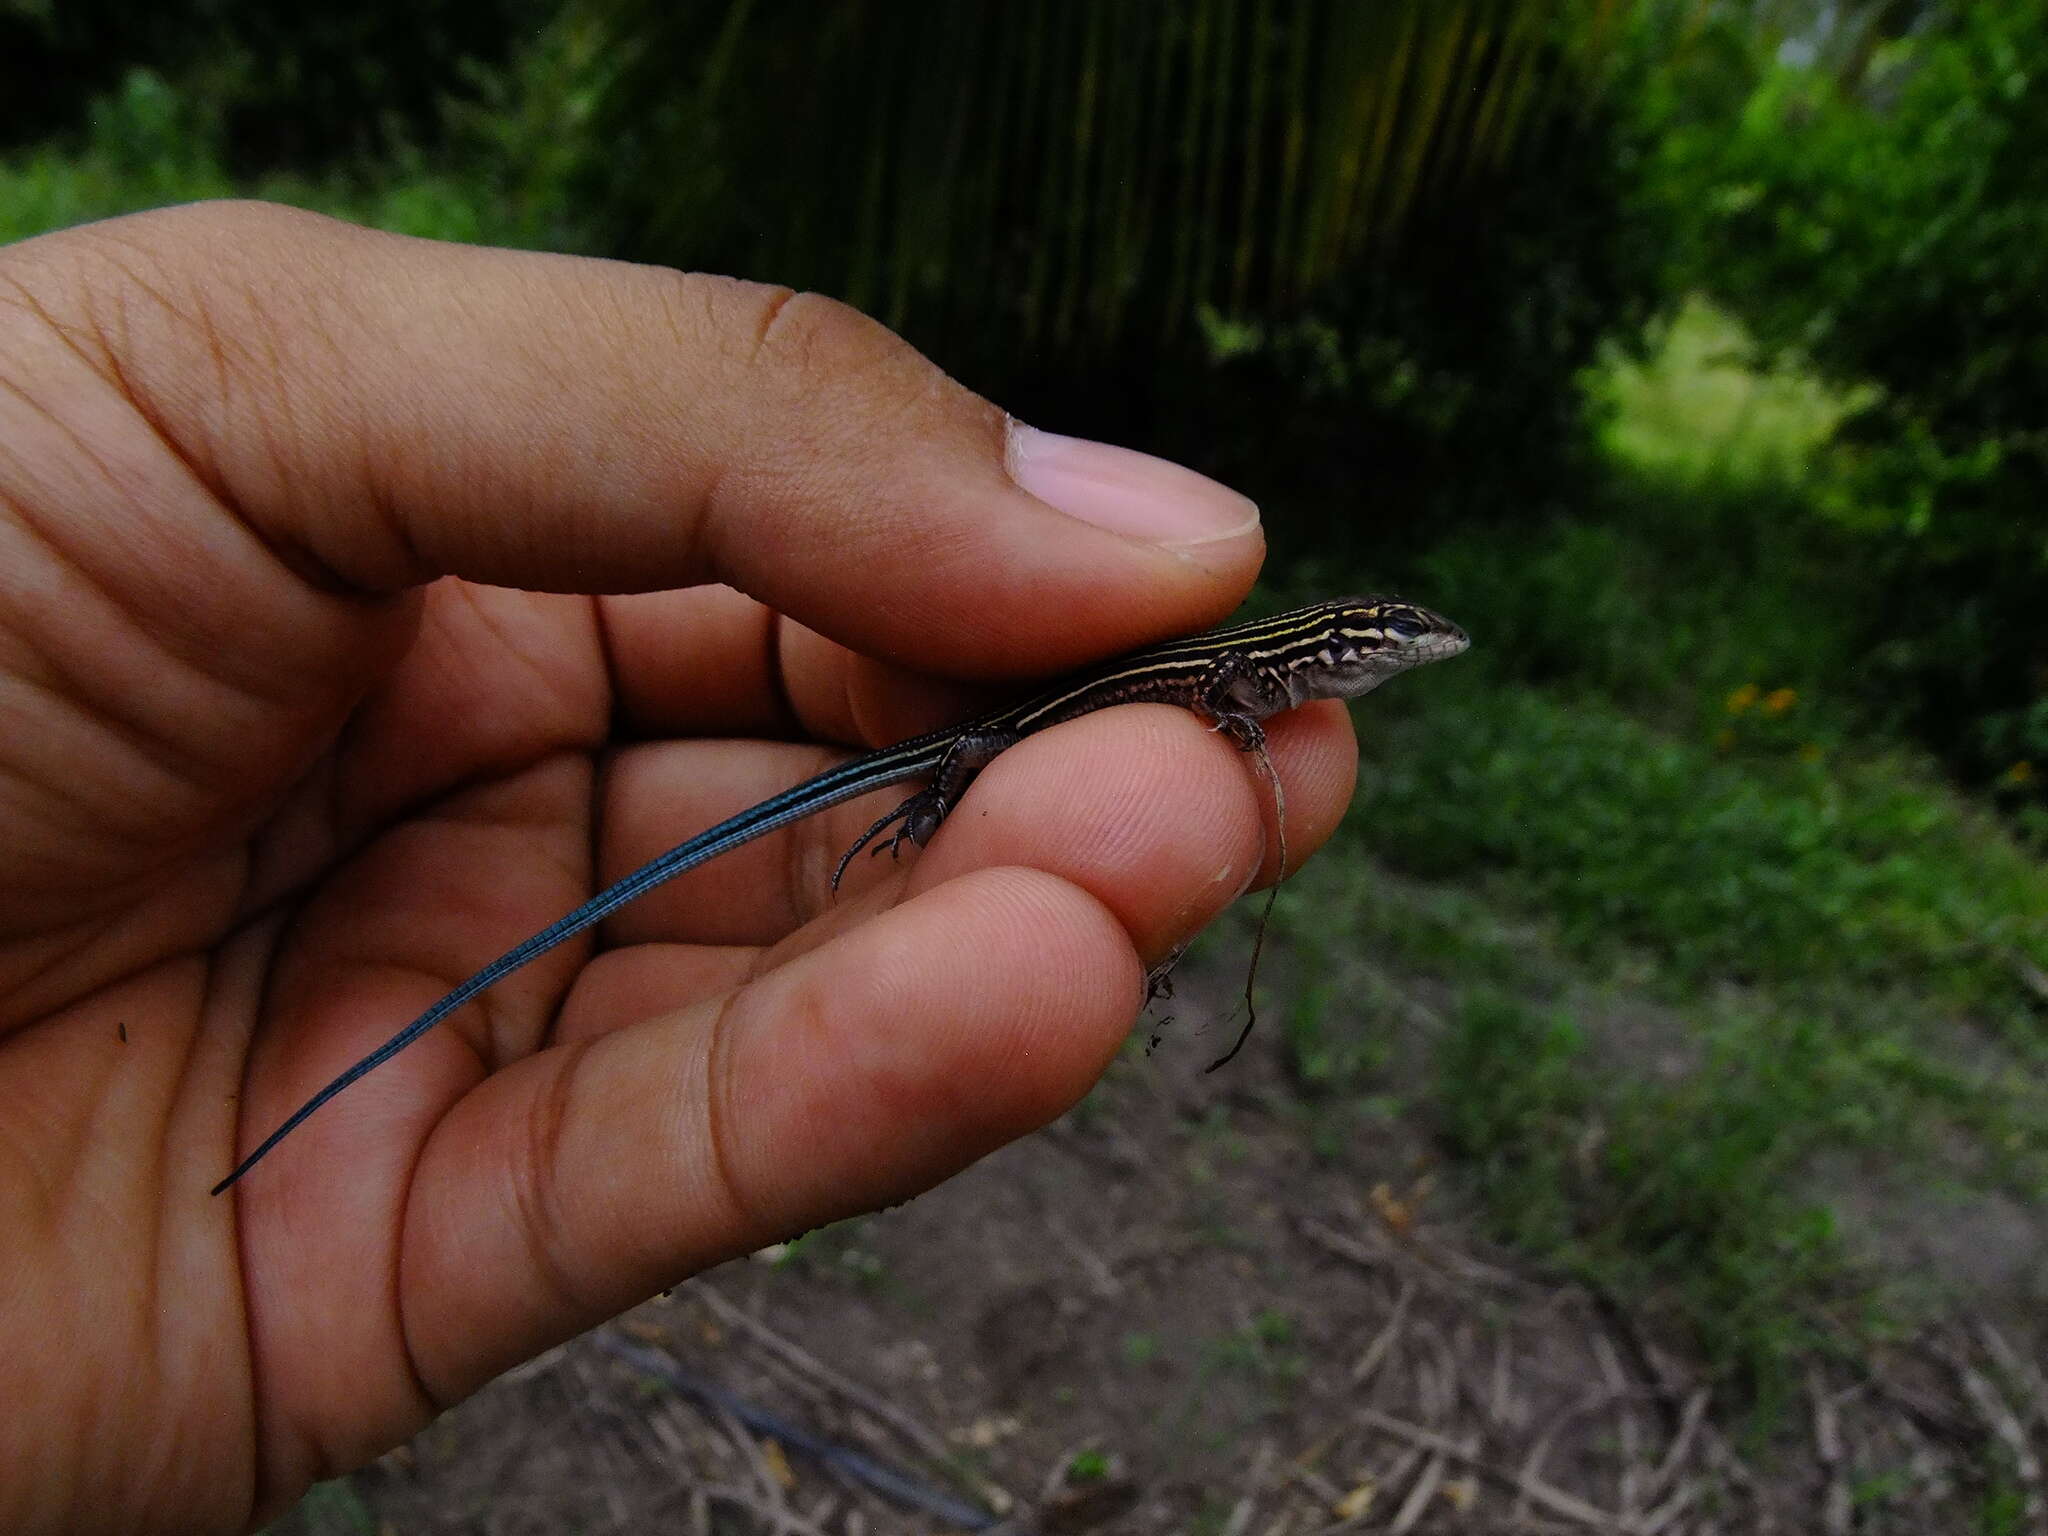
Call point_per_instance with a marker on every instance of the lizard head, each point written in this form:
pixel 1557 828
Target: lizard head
pixel 1356 643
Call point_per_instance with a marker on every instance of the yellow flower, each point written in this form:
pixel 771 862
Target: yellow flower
pixel 1778 700
pixel 1744 698
pixel 2021 772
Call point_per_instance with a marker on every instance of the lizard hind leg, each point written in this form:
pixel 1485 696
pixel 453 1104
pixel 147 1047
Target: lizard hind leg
pixel 920 814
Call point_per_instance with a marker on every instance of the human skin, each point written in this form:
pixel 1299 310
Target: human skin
pixel 309 707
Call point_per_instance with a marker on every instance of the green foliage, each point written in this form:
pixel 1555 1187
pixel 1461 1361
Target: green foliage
pixel 148 143
pixel 2005 1507
pixel 1439 383
pixel 1743 867
pixel 1265 1350
pixel 146 146
pixel 1328 1051
pixel 1889 224
pixel 1692 774
pixel 1090 1466
pixel 298 88
pixel 531 129
pixel 1513 1096
pixel 1664 603
pixel 1689 412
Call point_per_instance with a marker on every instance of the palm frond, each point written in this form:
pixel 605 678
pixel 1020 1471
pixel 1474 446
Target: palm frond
pixel 1082 174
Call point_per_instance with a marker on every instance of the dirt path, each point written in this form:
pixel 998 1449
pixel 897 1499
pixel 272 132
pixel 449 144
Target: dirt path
pixel 1172 1312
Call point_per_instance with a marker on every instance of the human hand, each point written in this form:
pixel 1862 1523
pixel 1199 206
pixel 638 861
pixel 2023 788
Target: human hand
pixel 287 753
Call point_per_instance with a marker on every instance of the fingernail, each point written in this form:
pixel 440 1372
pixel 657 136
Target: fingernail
pixel 1126 491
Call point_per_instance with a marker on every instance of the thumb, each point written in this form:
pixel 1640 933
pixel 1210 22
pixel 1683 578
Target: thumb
pixel 385 410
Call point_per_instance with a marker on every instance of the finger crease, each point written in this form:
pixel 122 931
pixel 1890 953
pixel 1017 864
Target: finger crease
pixel 770 323
pixel 539 1221
pixel 717 1072
pixel 776 671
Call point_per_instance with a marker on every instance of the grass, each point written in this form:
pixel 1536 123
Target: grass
pixel 1264 1351
pixel 1760 865
pixel 1717 944
pixel 1680 1145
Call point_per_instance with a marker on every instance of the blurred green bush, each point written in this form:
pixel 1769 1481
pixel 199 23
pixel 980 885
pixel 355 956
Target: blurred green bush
pixel 295 87
pixel 1353 258
pixel 1883 218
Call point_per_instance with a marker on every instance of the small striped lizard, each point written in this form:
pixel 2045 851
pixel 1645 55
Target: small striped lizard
pixel 1235 677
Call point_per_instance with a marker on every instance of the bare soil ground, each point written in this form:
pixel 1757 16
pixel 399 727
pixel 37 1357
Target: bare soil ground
pixel 1189 1308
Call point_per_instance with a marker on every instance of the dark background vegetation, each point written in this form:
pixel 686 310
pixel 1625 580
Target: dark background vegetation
pixel 1692 352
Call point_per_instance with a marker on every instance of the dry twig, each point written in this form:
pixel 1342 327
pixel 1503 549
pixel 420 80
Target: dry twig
pixel 2010 1433
pixel 877 1408
pixel 1837 1508
pixel 1254 1484
pixel 1376 1352
pixel 2026 1376
pixel 1689 1419
pixel 1419 1496
pixel 858 1466
pixel 1556 1500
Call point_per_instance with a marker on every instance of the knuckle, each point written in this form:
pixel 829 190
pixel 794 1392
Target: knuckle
pixel 813 333
pixel 536 1178
pixel 813 369
pixel 829 355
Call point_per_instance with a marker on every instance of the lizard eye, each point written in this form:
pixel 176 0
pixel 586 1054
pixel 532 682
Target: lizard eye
pixel 1404 624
